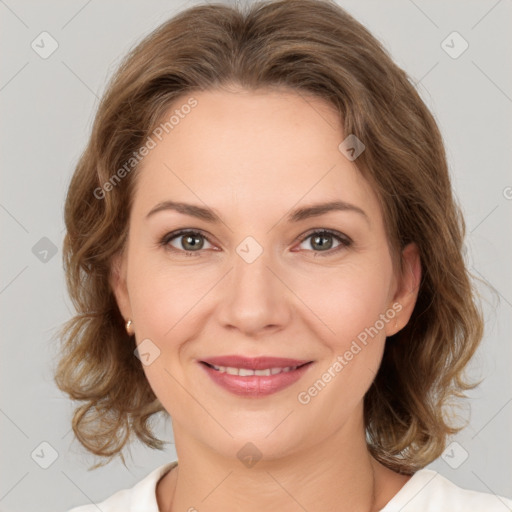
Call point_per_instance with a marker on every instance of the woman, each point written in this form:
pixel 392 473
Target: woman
pixel 262 242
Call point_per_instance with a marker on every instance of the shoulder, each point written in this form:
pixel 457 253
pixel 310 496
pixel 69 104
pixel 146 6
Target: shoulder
pixel 429 491
pixel 140 497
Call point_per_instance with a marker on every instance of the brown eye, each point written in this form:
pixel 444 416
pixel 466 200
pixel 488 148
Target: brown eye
pixel 184 241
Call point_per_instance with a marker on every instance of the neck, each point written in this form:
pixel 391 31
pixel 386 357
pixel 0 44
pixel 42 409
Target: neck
pixel 333 475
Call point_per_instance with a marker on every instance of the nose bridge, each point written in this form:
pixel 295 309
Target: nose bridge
pixel 254 297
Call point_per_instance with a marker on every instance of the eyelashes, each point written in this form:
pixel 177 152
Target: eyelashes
pixel 344 241
pixel 316 234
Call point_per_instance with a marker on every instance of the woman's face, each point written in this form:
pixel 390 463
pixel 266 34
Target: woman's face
pixel 257 277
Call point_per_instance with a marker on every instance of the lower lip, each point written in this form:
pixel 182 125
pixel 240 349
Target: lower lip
pixel 255 385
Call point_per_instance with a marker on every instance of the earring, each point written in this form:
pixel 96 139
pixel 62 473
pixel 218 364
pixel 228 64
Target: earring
pixel 129 328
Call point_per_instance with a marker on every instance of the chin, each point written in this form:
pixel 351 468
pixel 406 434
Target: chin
pixel 264 441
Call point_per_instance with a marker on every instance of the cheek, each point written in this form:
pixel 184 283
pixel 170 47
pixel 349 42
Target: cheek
pixel 163 309
pixel 345 300
pixel 348 300
pixel 162 298
pixel 352 304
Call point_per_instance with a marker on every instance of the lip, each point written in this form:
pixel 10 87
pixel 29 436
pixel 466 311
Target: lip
pixel 254 363
pixel 255 386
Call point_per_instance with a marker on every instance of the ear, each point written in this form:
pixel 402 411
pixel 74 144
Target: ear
pixel 117 281
pixel 408 285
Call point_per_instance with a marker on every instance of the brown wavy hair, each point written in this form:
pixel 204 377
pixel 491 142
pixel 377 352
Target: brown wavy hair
pixel 311 47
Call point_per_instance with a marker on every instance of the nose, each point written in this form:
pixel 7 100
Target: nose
pixel 254 297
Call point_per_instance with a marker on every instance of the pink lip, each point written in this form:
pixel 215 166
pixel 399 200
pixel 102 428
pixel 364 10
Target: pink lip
pixel 255 386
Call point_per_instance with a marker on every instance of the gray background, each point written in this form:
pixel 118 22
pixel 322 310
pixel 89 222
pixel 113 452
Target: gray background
pixel 47 108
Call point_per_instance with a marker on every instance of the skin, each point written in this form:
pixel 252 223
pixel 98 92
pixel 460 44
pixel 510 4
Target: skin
pixel 253 156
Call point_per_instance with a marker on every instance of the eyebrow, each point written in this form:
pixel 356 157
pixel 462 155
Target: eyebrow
pixel 297 215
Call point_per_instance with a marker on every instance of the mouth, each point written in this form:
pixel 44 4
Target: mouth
pixel 247 372
pixel 254 377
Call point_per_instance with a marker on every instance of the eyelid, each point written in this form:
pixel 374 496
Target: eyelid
pixel 337 234
pixel 166 239
pixel 345 241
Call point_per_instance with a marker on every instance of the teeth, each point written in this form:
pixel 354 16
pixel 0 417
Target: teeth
pixel 244 372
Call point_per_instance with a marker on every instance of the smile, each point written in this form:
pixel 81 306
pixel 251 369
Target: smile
pixel 256 377
pixel 244 372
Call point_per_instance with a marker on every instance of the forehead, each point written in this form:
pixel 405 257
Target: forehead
pixel 257 148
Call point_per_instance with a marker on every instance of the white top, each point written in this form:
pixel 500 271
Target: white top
pixel 426 491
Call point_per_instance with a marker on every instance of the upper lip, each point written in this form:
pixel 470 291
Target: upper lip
pixel 254 363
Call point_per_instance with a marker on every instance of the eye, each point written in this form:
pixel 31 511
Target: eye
pixel 189 241
pixel 185 241
pixel 323 240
